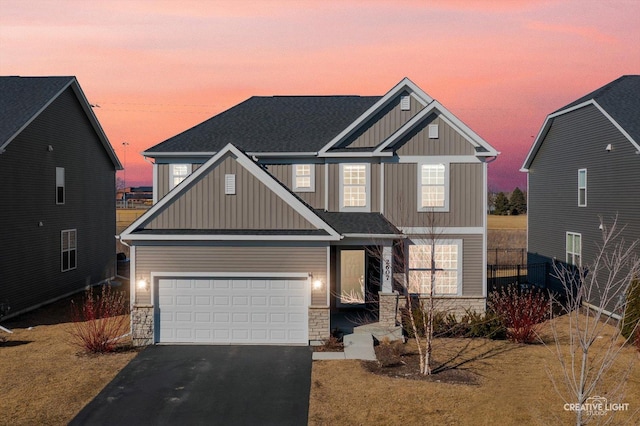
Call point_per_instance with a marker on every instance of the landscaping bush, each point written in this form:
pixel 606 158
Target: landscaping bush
pixel 389 353
pixel 99 320
pixel 471 324
pixel 632 310
pixel 520 310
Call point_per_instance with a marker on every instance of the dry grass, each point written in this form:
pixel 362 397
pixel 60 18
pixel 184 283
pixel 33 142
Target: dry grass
pixel 43 378
pixel 510 233
pixel 513 389
pixel 507 222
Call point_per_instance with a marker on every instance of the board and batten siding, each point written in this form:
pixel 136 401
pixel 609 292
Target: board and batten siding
pixel 449 141
pixel 577 140
pixel 229 258
pixel 204 205
pixel 384 124
pixel 284 173
pixel 466 202
pixel 30 253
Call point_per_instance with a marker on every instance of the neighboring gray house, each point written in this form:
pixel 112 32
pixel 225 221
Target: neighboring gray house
pixel 584 166
pixel 280 210
pixel 57 170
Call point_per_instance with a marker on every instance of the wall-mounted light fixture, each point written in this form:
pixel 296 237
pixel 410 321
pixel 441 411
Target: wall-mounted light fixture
pixel 142 284
pixel 317 284
pixel 609 148
pixel 50 148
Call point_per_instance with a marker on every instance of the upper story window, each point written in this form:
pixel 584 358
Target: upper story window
pixel 178 173
pixel 355 187
pixel 448 267
pixel 60 188
pixel 303 177
pixel 574 248
pixel 433 187
pixel 69 249
pixel 582 188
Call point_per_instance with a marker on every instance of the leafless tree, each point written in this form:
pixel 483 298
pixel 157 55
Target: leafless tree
pixel 593 332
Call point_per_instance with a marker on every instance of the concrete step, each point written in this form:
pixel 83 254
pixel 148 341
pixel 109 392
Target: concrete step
pixel 359 346
pixel 380 332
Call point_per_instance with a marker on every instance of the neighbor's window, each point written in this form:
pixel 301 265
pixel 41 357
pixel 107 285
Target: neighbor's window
pixel 59 185
pixel 69 248
pixel 448 267
pixel 582 187
pixel 303 178
pixel 432 187
pixel 178 173
pixel 574 249
pixel 354 182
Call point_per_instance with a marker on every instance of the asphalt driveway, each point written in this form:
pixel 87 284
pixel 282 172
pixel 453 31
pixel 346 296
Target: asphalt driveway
pixel 213 385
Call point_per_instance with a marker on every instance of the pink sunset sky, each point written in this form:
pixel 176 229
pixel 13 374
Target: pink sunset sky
pixel 157 67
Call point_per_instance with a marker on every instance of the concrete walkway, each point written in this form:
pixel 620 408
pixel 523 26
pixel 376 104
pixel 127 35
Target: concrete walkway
pixel 359 345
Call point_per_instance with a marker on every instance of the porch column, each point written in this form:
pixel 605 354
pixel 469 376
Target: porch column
pixel 386 270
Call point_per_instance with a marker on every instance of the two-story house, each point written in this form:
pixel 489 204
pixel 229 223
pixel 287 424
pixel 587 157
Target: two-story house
pixel 584 170
pixel 280 210
pixel 57 170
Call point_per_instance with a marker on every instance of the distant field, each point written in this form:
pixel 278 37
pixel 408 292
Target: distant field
pixel 124 218
pixel 507 222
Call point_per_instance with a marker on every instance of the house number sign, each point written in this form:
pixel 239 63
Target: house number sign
pixel 387 270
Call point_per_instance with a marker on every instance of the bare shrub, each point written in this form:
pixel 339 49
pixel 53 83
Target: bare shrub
pixel 100 320
pixel 390 353
pixel 520 310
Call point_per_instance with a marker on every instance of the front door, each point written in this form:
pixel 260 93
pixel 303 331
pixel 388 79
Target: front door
pixel 352 281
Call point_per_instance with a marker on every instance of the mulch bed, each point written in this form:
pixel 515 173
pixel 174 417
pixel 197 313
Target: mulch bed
pixel 408 367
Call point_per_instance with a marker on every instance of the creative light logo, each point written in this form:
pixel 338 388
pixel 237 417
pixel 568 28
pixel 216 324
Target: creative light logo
pixel 596 406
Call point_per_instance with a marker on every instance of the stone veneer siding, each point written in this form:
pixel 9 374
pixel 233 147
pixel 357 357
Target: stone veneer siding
pixel 142 325
pixel 391 303
pixel 318 323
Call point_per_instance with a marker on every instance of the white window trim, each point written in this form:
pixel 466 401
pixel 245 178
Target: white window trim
pixel 447 194
pixel 312 178
pixel 580 188
pixel 573 253
pixel 64 234
pixel 172 172
pixel 367 174
pixel 457 242
pixel 60 183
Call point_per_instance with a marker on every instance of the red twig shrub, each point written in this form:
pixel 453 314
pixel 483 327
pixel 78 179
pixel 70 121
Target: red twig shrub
pixel 99 320
pixel 520 310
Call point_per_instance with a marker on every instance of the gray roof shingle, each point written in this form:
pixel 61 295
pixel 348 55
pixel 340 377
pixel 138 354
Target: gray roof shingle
pixel 272 124
pixel 21 98
pixel 358 223
pixel 621 100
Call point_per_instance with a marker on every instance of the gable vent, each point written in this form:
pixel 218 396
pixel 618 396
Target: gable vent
pixel 405 103
pixel 230 184
pixel 433 131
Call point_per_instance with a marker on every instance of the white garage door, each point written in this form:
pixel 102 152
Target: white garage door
pixel 232 310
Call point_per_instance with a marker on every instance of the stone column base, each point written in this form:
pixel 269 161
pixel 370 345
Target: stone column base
pixel 318 324
pixel 388 309
pixel 142 325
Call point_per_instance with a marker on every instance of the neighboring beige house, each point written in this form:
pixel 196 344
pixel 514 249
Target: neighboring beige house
pixel 275 213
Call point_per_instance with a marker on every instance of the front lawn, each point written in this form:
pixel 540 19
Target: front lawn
pixel 511 387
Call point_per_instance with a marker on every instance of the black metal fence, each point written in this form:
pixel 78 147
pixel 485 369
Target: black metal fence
pixel 506 256
pixel 499 276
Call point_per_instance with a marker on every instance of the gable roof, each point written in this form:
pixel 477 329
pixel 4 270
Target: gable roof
pixel 282 124
pixel 305 125
pixel 322 232
pixel 24 98
pixel 619 101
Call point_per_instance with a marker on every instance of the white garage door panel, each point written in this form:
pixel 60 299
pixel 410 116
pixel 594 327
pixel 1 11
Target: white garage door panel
pixel 232 310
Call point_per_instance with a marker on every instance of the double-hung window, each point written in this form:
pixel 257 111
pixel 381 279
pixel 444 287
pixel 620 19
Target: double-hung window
pixel 303 178
pixel 582 188
pixel 574 248
pixel 69 249
pixel 178 173
pixel 447 267
pixel 354 187
pixel 433 187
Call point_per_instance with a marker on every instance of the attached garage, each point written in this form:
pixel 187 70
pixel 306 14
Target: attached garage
pixel 232 308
